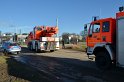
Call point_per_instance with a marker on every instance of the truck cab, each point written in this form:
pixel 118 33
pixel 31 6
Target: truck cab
pixel 101 32
pixel 105 40
pixel 101 41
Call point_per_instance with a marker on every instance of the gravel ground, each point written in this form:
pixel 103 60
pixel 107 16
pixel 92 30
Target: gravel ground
pixel 59 66
pixel 69 66
pixel 13 71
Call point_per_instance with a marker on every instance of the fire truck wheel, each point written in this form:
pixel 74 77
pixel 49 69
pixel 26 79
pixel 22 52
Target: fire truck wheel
pixel 31 47
pixel 51 50
pixel 36 48
pixel 103 60
pixel 28 46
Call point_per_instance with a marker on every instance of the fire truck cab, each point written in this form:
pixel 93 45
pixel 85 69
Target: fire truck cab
pixel 105 40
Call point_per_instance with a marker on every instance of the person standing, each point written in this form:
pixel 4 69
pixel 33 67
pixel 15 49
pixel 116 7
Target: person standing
pixel 63 44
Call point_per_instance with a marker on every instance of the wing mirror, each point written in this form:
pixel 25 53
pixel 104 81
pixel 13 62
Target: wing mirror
pixel 85 27
pixel 85 30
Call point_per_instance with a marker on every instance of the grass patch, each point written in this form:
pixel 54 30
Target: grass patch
pixel 2 59
pixel 80 46
pixel 23 45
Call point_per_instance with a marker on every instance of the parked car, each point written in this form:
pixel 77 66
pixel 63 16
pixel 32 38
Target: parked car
pixel 10 47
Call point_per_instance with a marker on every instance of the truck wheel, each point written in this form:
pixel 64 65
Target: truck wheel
pixel 51 50
pixel 103 60
pixel 36 48
pixel 31 47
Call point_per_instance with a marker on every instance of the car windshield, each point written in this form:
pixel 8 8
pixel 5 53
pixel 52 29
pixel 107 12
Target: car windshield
pixel 13 44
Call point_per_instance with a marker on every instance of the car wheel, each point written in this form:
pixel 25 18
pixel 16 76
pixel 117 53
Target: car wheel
pixel 5 52
pixel 18 52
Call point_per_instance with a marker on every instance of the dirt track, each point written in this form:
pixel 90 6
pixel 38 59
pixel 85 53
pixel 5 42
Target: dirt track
pixel 59 66
pixel 70 66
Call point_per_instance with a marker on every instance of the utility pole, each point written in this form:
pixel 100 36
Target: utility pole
pixel 57 22
pixel 16 30
pixel 20 31
pixel 57 25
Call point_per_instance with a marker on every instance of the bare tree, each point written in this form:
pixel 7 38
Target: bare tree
pixel 65 37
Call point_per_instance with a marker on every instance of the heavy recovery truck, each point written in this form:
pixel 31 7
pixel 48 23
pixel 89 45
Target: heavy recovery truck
pixel 43 38
pixel 105 40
